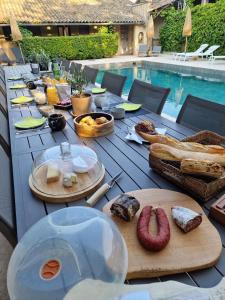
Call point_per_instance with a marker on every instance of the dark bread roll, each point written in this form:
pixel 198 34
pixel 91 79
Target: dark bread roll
pixel 145 127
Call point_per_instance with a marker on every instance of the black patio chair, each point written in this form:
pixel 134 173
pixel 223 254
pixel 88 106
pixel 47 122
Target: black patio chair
pixel 113 83
pixel 75 67
pixel 151 97
pixel 197 113
pixel 90 73
pixel 2 74
pixel 66 64
pixel 4 133
pixel 3 105
pixel 2 87
pixel 7 209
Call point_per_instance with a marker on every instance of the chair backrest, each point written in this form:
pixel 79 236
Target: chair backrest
pixel 90 73
pixel 18 55
pixel 7 215
pixel 143 48
pixel 3 104
pixel 211 50
pixel 4 133
pixel 75 67
pixel 156 49
pixel 198 113
pixel 113 83
pixel 151 97
pixel 201 48
pixel 2 74
pixel 66 64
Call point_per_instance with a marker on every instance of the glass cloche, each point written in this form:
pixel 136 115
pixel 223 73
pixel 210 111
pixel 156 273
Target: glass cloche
pixel 66 170
pixel 63 249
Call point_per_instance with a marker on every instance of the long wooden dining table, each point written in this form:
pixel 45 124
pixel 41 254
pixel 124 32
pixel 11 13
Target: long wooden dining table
pixel 114 151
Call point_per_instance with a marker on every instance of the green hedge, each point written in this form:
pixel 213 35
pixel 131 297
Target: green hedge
pixel 207 27
pixel 73 47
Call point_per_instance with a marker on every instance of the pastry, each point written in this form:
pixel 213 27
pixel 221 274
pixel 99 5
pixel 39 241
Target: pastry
pixel 172 154
pixel 145 127
pixel 101 120
pixel 201 167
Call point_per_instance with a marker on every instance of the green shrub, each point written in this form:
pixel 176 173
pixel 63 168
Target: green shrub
pixel 207 27
pixel 73 47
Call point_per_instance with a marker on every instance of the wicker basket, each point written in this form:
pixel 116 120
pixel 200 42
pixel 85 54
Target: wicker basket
pixel 200 187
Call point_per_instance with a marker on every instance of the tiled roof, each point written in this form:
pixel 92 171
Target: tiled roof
pixel 68 11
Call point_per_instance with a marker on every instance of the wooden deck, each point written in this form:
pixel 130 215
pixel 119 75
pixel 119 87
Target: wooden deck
pixel 115 153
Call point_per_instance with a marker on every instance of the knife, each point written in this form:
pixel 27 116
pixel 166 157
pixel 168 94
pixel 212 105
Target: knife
pixel 102 190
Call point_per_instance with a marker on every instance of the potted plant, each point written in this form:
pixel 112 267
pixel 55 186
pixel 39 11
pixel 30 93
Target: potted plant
pixel 43 60
pixel 34 64
pixel 81 101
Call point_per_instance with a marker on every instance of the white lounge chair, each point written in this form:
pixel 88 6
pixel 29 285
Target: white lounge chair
pixel 209 52
pixel 212 57
pixel 191 54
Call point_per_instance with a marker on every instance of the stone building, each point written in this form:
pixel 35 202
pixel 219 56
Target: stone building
pixel 74 17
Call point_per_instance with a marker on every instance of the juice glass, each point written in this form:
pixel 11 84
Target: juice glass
pixel 52 95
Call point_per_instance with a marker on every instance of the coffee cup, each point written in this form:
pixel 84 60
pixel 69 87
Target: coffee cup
pixel 56 122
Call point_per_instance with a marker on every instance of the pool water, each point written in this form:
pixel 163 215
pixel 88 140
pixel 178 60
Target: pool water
pixel 180 84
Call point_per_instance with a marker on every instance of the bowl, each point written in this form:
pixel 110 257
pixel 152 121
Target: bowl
pixel 118 113
pixel 95 130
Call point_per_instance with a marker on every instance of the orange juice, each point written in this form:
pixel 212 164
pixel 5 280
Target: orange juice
pixel 52 95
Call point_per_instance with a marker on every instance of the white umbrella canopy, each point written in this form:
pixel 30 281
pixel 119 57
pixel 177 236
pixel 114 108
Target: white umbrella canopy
pixel 150 31
pixel 187 29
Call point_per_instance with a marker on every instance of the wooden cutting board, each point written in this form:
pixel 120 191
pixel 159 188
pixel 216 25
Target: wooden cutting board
pixel 185 252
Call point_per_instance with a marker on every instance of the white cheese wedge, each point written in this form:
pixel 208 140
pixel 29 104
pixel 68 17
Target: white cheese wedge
pixel 53 173
pixel 69 179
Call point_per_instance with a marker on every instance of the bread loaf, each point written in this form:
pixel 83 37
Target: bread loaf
pixel 186 146
pixel 201 167
pixel 172 154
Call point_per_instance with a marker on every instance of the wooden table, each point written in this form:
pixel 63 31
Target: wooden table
pixel 115 153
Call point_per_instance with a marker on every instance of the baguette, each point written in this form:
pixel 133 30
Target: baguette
pixel 186 146
pixel 201 167
pixel 166 152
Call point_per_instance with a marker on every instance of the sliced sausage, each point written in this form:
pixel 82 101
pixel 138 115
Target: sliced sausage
pixel 149 241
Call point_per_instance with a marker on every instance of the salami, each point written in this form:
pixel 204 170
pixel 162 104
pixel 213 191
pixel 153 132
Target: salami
pixel 149 241
pixel 186 218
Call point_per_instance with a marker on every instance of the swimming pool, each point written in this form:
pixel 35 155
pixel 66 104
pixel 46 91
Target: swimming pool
pixel 181 84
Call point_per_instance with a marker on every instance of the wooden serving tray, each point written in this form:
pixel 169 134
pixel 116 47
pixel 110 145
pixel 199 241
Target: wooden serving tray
pixel 55 192
pixel 185 252
pixel 202 188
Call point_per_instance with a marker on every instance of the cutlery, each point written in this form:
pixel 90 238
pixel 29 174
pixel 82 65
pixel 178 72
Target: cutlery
pixel 102 190
pixel 23 131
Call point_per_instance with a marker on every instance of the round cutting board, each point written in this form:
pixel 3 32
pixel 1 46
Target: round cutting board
pixel 57 193
pixel 185 252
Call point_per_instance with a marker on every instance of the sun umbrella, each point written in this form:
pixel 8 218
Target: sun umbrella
pixel 150 32
pixel 187 29
pixel 15 31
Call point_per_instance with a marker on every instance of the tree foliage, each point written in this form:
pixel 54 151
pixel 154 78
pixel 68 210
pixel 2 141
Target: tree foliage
pixel 208 26
pixel 73 47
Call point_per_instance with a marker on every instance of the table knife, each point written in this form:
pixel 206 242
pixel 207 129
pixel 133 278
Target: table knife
pixel 102 190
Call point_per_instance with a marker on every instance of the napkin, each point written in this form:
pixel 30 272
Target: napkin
pixel 64 91
pixel 134 136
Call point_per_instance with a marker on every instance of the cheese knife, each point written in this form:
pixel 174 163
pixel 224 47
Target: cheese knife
pixel 102 190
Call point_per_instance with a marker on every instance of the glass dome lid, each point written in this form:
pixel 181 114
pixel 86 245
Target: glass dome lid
pixel 66 170
pixel 63 249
